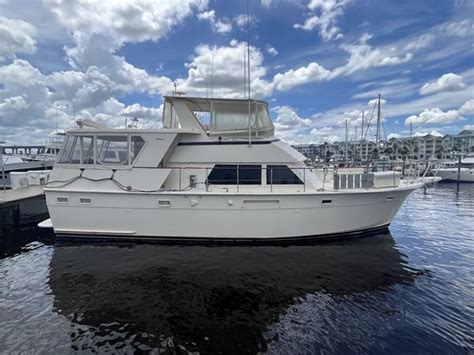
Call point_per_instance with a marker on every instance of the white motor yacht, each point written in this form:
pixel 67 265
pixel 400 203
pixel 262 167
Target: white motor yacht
pixel 214 171
pixel 449 170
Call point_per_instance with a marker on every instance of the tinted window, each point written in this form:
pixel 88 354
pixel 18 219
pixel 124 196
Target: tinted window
pixel 227 175
pixel 281 175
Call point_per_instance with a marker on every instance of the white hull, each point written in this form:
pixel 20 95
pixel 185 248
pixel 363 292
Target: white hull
pixel 223 216
pixel 451 174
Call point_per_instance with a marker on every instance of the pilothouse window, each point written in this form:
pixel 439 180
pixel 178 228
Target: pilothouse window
pixel 78 150
pixel 112 150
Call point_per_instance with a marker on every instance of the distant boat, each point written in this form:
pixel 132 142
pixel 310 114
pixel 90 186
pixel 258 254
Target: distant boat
pixel 449 170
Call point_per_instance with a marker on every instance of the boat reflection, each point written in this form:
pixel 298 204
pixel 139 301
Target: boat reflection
pixel 207 299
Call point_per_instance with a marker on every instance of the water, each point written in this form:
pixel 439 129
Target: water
pixel 407 291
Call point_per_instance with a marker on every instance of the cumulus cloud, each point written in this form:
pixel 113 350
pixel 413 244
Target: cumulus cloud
pixel 16 36
pixel 288 124
pixel 323 135
pixel 323 16
pixel 219 26
pixel 220 69
pixel 303 75
pixel 125 20
pixel 433 116
pixel 432 133
pixel 447 82
pixel 467 109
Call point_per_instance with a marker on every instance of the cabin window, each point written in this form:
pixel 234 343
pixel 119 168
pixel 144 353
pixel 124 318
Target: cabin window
pixel 78 150
pixel 281 175
pixel 233 175
pixel 112 150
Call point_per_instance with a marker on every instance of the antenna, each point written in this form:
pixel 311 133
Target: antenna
pixel 212 70
pixel 248 71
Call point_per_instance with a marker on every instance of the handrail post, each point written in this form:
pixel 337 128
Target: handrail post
pixel 304 179
pixel 238 177
pixel 207 182
pixel 180 178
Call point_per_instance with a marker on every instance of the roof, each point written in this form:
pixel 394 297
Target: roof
pixel 210 99
pixel 466 132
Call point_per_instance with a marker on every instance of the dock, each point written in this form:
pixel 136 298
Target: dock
pixel 15 195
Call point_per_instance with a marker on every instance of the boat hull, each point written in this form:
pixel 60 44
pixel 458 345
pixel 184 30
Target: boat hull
pixel 224 216
pixel 466 174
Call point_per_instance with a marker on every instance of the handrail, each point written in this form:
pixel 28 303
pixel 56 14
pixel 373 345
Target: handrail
pixel 262 176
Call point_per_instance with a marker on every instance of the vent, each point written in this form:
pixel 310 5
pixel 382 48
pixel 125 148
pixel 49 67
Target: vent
pixel 62 200
pixel 164 203
pixel 85 201
pixel 326 202
pixel 389 198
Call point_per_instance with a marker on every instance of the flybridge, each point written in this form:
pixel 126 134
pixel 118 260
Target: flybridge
pixel 219 117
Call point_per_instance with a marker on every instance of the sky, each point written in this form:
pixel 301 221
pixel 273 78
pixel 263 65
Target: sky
pixel 318 63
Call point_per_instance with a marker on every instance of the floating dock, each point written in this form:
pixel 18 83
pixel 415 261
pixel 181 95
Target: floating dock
pixel 15 195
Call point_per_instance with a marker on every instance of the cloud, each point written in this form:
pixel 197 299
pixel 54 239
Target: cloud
pixel 16 36
pixel 323 16
pixel 433 116
pixel 432 133
pixel 447 82
pixel 323 135
pixel 219 26
pixel 363 56
pixel 241 21
pixel 289 125
pixel 272 51
pixel 125 20
pixel 303 75
pixel 393 135
pixel 462 28
pixel 467 109
pixel 221 70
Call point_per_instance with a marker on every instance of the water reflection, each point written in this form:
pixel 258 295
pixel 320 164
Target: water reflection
pixel 18 224
pixel 207 299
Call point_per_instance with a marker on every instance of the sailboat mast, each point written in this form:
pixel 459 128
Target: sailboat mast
pixel 377 137
pixel 362 134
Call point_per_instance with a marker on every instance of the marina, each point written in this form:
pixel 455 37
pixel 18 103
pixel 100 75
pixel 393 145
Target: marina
pixel 236 177
pixel 405 288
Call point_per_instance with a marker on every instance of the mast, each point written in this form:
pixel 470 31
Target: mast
pixel 377 136
pixel 248 71
pixel 362 134
pixel 345 150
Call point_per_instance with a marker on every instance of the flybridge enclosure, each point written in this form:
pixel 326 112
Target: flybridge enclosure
pixel 218 117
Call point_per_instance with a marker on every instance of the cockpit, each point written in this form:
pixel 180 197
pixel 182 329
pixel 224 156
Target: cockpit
pixel 219 117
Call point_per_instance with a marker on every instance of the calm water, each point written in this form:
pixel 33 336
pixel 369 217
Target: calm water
pixel 407 291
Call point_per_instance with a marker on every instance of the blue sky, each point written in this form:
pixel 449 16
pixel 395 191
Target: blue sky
pixel 317 62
